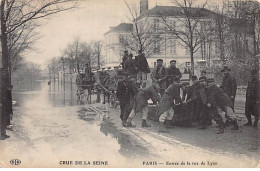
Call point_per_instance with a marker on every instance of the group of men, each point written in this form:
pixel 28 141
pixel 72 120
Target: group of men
pixel 197 103
pixel 136 68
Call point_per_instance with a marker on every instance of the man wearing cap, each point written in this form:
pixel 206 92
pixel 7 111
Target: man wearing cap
pixel 159 75
pixel 218 101
pixel 229 84
pixel 142 67
pixel 170 98
pixel 130 66
pixel 203 73
pixel 251 99
pixel 193 98
pixel 141 104
pixel 172 72
pixel 124 59
pixel 125 92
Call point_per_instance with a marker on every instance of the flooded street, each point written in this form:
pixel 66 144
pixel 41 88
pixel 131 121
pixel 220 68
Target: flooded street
pixel 52 130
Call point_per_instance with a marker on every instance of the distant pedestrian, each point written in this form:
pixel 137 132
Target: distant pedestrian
pixel 251 99
pixel 159 75
pixel 172 72
pixel 142 68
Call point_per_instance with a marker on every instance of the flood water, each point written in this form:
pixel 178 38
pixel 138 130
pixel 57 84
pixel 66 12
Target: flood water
pixel 73 125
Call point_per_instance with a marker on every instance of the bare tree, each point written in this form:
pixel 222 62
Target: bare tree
pixel 15 16
pixel 145 32
pixel 193 26
pixel 97 48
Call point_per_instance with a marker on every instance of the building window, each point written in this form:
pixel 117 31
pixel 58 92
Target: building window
pixel 172 46
pixel 156 25
pixel 188 64
pixel 172 25
pixel 156 48
pixel 187 51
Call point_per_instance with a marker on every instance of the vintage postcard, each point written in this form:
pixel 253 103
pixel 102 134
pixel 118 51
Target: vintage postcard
pixel 129 84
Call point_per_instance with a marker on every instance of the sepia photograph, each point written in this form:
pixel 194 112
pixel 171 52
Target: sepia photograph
pixel 129 84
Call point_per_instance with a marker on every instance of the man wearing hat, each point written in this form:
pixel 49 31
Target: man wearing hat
pixel 218 100
pixel 130 66
pixel 159 75
pixel 170 98
pixel 141 104
pixel 251 99
pixel 124 59
pixel 229 84
pixel 172 72
pixel 193 99
pixel 125 92
pixel 142 67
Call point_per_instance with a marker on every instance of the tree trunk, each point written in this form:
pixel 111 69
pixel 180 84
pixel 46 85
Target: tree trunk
pixel 5 72
pixel 192 61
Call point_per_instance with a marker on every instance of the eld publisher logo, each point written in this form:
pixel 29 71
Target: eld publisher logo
pixel 15 162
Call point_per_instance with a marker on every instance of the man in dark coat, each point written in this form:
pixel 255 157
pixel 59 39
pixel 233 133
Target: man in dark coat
pixel 218 100
pixel 170 98
pixel 229 84
pixel 142 67
pixel 172 72
pixel 251 99
pixel 124 59
pixel 193 99
pixel 125 92
pixel 141 104
pixel 159 75
pixel 130 66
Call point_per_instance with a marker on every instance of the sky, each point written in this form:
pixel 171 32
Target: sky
pixel 90 21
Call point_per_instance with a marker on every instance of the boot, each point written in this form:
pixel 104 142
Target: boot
pixel 168 124
pixel 255 122
pixel 4 137
pixel 128 123
pixel 221 128
pixel 249 121
pixel 162 129
pixel 144 124
pixel 235 127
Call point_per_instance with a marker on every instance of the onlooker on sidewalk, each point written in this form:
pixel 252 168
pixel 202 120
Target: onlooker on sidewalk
pixel 251 98
pixel 130 66
pixel 229 84
pixel 172 72
pixel 159 75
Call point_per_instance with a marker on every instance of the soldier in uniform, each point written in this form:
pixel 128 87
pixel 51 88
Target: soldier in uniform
pixel 251 98
pixel 229 84
pixel 141 104
pixel 125 92
pixel 170 98
pixel 159 75
pixel 218 100
pixel 193 99
pixel 172 72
